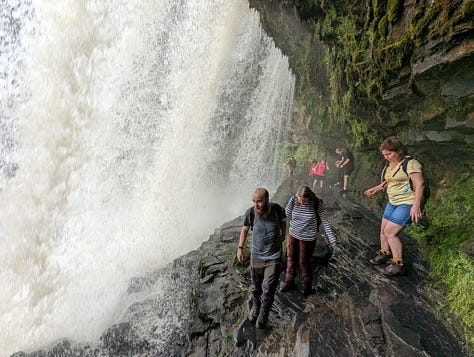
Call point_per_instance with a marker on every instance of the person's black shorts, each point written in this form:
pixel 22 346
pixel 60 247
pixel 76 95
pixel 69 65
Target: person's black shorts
pixel 348 169
pixel 317 177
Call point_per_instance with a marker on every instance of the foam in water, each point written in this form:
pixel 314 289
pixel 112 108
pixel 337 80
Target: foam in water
pixel 129 131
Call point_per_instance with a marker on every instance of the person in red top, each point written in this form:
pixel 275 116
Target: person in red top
pixel 318 173
pixel 312 172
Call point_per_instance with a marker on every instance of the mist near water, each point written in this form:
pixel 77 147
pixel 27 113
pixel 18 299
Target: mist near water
pixel 130 130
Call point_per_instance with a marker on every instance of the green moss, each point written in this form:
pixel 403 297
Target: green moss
pixel 363 133
pixel 375 6
pixel 286 150
pixel 382 27
pixel 464 13
pixel 417 28
pixel 393 10
pixel 467 10
pixel 305 154
pixel 246 263
pixel 452 224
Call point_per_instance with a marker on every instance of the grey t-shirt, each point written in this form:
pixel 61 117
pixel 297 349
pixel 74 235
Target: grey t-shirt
pixel 266 238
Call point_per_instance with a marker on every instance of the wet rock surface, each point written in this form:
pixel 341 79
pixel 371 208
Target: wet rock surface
pixel 355 310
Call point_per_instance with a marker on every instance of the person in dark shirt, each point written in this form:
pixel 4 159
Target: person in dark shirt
pixel 345 165
pixel 268 222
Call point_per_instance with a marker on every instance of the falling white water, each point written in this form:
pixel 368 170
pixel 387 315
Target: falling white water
pixel 130 130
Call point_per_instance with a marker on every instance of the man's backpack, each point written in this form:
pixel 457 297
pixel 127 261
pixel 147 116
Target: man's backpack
pixel 426 190
pixel 252 216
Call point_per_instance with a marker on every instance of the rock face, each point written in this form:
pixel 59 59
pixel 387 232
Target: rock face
pixel 356 311
pixel 408 69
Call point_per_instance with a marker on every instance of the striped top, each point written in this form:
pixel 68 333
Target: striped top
pixel 303 222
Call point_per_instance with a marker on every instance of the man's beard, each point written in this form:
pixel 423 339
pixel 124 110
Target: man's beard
pixel 264 210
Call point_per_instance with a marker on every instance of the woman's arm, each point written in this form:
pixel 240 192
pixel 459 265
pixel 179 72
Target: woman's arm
pixel 373 190
pixel 418 186
pixel 326 225
pixel 289 207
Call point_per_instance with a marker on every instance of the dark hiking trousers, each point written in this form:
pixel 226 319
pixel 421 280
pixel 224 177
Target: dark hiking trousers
pixel 299 252
pixel 265 276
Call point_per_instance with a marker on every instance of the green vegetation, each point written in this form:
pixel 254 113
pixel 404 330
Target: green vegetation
pixel 353 55
pixel 246 263
pixel 452 224
pixel 393 10
pixel 287 150
pixel 304 154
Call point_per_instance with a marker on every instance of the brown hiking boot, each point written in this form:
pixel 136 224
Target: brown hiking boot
pixel 379 259
pixel 393 269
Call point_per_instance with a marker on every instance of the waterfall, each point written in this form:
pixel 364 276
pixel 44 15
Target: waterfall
pixel 130 130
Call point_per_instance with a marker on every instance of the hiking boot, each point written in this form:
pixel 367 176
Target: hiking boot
pixel 261 323
pixel 308 290
pixel 287 286
pixel 263 317
pixel 379 259
pixel 393 269
pixel 253 313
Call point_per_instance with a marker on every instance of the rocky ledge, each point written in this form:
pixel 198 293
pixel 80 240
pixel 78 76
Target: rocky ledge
pixel 356 310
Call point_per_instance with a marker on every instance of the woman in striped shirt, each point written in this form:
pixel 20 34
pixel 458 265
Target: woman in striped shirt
pixel 304 211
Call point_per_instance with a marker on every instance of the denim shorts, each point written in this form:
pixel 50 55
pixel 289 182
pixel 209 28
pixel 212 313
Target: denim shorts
pixel 398 214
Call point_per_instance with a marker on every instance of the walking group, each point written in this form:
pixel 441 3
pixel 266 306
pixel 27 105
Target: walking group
pixel 345 166
pixel 402 180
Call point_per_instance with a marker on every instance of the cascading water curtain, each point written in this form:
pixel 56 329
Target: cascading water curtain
pixel 130 130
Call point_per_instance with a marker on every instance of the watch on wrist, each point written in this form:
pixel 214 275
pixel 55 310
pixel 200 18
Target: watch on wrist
pixel 240 247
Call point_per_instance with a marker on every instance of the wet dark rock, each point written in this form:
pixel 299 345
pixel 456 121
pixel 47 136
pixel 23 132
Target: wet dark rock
pixel 439 59
pixel 121 339
pixel 138 284
pixel 63 348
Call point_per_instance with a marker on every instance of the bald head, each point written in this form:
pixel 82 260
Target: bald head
pixel 261 192
pixel 260 200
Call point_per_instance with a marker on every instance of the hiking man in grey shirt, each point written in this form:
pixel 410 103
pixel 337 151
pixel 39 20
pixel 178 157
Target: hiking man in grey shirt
pixel 268 222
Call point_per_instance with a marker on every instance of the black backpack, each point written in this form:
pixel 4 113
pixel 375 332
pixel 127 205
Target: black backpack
pixel 317 202
pixel 275 216
pixel 426 190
